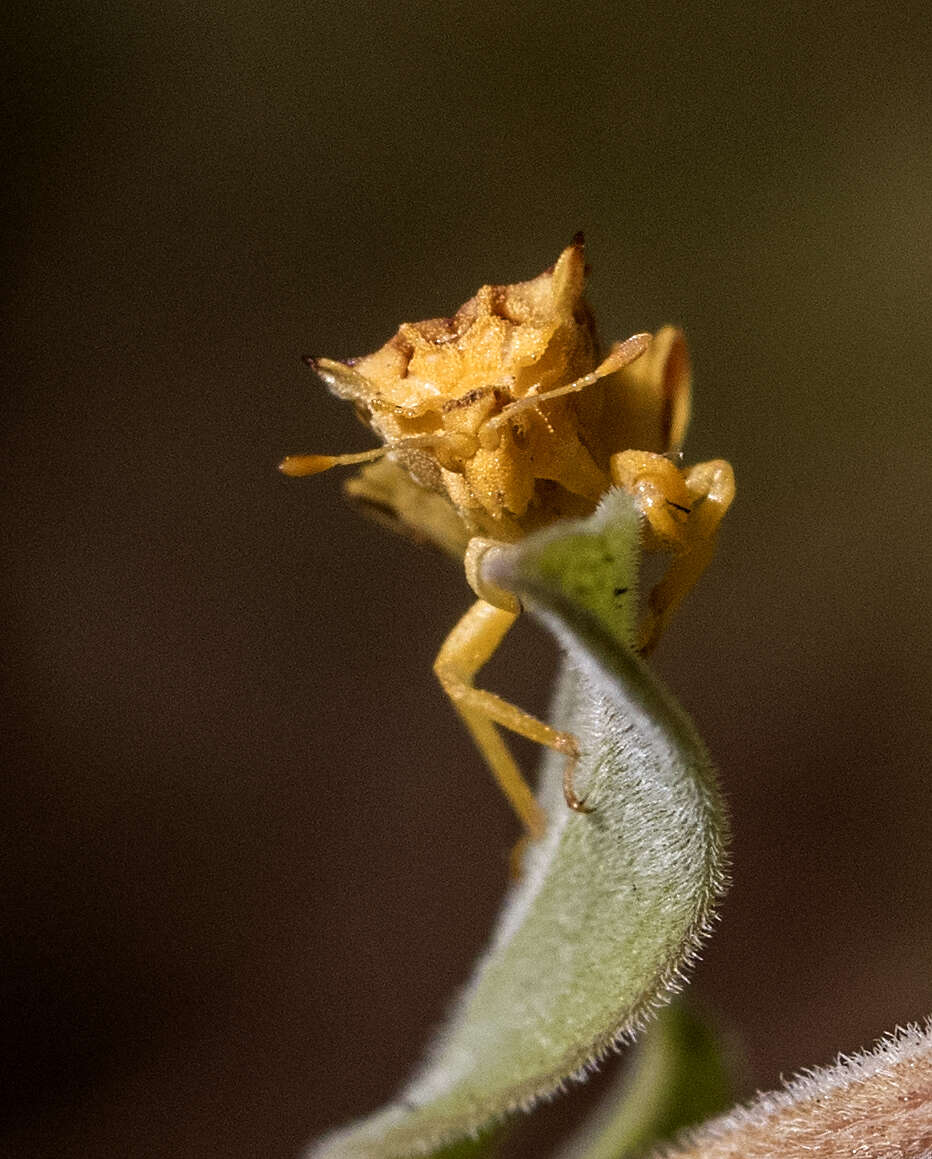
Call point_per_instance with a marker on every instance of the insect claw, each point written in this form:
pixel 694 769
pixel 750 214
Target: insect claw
pixel 576 803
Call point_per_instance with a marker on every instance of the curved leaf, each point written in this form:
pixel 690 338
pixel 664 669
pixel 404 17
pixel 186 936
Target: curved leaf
pixel 612 904
pixel 680 1074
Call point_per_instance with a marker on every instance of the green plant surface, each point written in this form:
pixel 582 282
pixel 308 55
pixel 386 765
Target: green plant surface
pixel 484 1146
pixel 612 904
pixel 679 1075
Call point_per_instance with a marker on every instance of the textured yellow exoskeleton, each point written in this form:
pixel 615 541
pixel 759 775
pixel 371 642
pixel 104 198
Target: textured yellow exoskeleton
pixel 505 418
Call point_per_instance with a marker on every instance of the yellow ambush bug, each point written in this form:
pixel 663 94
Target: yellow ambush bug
pixel 504 419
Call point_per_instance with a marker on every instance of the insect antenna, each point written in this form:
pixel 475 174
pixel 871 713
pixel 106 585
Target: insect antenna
pixel 621 354
pixel 297 466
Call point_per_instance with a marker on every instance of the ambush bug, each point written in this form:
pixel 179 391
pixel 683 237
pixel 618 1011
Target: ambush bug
pixel 504 419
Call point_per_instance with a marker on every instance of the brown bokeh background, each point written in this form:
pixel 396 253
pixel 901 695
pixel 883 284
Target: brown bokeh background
pixel 249 854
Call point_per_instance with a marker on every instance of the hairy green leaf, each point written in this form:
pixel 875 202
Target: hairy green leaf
pixel 612 904
pixel 679 1075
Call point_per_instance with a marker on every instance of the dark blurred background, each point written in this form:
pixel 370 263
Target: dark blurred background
pixel 249 853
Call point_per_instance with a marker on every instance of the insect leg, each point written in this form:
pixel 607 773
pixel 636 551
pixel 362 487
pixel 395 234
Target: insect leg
pixel 659 489
pixel 471 643
pixel 711 488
